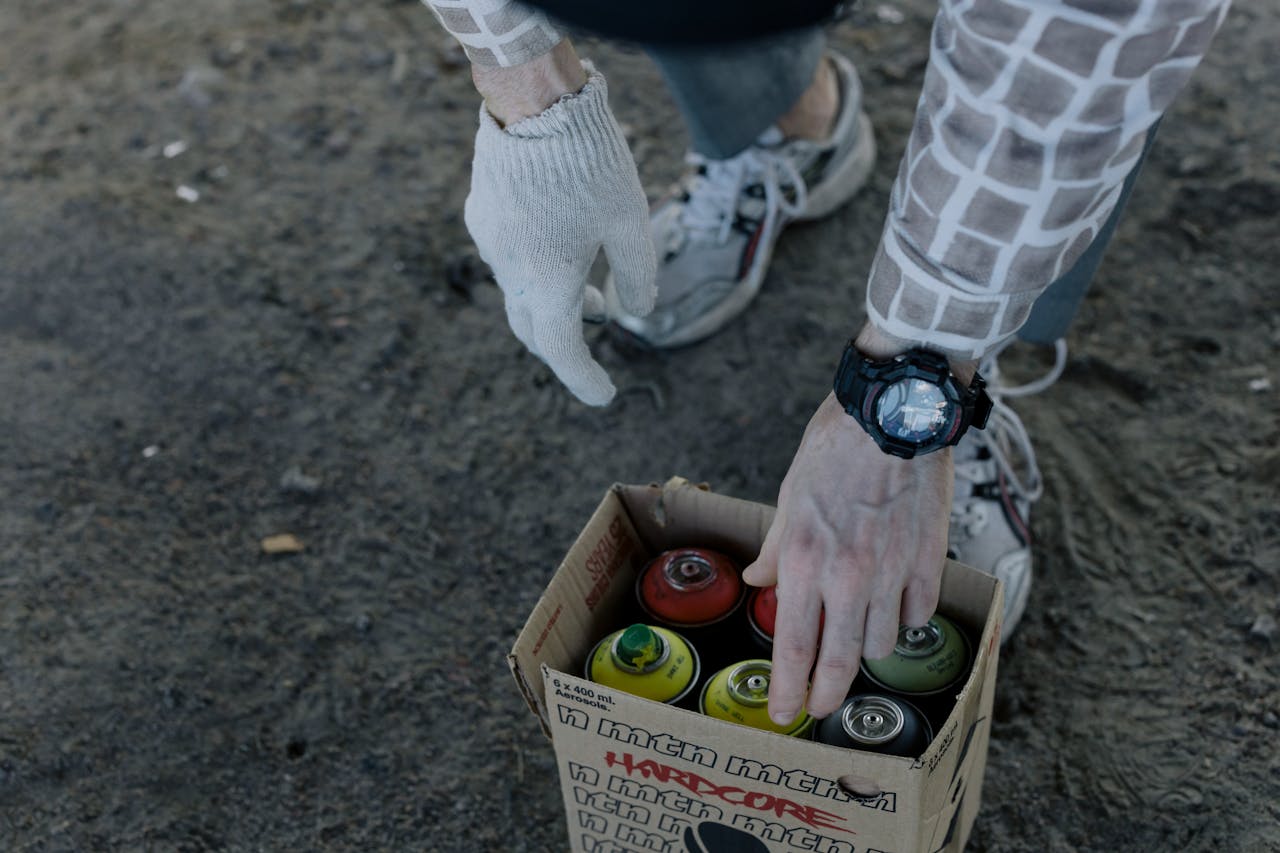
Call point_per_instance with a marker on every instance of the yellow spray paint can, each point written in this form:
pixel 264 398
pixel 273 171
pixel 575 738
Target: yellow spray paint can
pixel 740 694
pixel 648 661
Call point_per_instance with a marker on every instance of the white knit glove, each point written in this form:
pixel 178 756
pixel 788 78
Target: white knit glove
pixel 546 194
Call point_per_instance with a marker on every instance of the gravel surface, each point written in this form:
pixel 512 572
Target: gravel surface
pixel 237 301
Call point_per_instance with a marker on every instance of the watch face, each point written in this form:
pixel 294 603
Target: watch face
pixel 913 410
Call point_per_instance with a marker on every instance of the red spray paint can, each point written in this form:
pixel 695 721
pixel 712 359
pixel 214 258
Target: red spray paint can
pixel 762 616
pixel 762 613
pixel 698 592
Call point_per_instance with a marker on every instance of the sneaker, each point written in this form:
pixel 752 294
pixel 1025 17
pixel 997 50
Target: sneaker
pixel 991 508
pixel 715 231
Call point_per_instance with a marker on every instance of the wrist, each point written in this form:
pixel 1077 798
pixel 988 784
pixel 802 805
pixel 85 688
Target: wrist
pixel 522 91
pixel 875 344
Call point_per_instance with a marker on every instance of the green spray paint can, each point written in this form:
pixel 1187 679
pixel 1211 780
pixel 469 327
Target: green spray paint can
pixel 930 659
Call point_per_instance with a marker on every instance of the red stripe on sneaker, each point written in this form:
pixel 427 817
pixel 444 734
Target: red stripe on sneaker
pixel 750 251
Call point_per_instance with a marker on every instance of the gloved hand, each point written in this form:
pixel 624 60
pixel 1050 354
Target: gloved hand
pixel 547 193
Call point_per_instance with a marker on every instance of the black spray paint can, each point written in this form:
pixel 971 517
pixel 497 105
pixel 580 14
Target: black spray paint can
pixel 876 722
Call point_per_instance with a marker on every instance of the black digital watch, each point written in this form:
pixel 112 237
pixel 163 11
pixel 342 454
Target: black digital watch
pixel 910 404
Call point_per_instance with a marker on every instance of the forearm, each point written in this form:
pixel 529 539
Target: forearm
pixel 1032 116
pixel 522 91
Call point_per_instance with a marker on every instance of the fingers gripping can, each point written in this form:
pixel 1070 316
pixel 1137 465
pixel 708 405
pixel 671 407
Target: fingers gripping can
pixel 698 592
pixel 877 723
pixel 925 661
pixel 739 693
pixel 648 661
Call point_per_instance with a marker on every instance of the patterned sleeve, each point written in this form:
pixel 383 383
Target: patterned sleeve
pixel 1032 115
pixel 497 33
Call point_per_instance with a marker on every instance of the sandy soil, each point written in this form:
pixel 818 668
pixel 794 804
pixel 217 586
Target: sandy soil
pixel 164 365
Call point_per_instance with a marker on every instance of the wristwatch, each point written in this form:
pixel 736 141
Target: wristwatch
pixel 910 404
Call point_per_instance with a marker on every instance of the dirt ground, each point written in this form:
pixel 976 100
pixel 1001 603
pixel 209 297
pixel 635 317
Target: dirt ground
pixel 310 348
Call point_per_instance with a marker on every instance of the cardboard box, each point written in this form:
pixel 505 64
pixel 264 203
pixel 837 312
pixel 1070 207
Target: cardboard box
pixel 638 775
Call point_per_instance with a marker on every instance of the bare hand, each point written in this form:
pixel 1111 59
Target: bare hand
pixel 860 534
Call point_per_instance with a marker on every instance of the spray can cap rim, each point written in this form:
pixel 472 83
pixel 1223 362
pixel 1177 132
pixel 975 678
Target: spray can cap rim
pixel 639 648
pixel 923 641
pixel 872 719
pixel 688 571
pixel 748 682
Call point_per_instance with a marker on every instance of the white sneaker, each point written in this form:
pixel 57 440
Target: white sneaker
pixel 991 508
pixel 715 232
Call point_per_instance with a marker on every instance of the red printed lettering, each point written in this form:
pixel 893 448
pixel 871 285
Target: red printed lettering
pixel 606 559
pixel 756 800
pixel 546 631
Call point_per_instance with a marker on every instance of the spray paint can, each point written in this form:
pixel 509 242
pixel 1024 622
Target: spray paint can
pixel 690 587
pixel 762 613
pixel 877 723
pixel 698 592
pixel 739 693
pixel 925 661
pixel 648 661
pixel 928 664
pixel 762 616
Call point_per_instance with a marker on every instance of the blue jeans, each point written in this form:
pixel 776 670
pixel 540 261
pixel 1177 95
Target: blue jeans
pixel 729 94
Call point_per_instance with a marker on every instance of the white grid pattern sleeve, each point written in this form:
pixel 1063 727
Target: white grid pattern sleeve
pixel 496 33
pixel 1032 115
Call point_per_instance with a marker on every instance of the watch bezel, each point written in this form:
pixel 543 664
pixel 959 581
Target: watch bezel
pixel 861 382
pixel 903 373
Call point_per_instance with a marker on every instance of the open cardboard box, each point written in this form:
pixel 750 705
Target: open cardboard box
pixel 639 775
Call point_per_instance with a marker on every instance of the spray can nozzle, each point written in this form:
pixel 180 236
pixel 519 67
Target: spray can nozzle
pixel 639 648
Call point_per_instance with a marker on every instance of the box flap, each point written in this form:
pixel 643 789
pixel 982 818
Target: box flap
pixel 680 513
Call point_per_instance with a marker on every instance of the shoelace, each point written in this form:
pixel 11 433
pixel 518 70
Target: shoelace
pixel 716 185
pixel 1005 430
